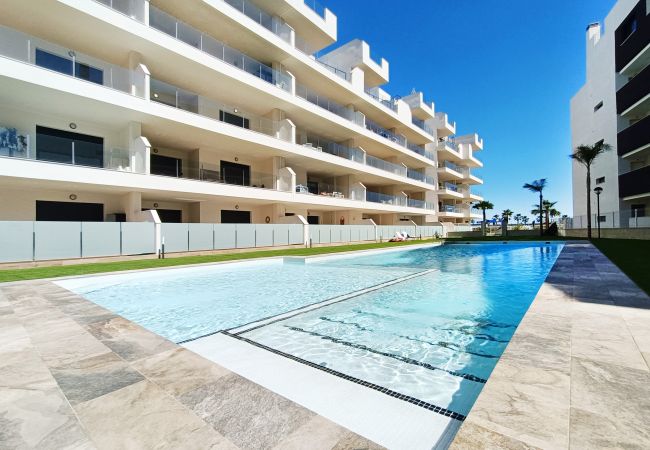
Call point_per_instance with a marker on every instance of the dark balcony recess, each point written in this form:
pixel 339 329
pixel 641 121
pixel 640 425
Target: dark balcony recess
pixel 636 182
pixel 632 36
pixel 634 137
pixel 637 88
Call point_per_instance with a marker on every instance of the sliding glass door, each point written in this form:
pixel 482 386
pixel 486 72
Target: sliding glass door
pixel 69 148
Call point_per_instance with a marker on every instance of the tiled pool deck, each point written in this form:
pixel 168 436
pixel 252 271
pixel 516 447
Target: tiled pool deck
pixel 74 375
pixel 576 373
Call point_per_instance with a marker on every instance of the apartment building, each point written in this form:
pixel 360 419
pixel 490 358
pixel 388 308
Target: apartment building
pixel 614 106
pixel 215 111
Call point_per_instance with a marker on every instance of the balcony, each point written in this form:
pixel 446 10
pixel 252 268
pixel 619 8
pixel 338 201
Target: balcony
pixel 635 137
pixel 448 150
pixel 451 210
pixel 376 197
pixel 387 102
pixel 41 53
pixel 633 51
pixel 444 126
pixel 450 171
pixel 324 102
pixel 423 126
pixel 633 99
pixel 634 183
pixel 175 97
pixel 419 176
pixel 173 27
pixel 258 15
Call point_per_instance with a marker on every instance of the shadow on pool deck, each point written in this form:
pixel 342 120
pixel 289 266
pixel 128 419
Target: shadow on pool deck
pixel 576 373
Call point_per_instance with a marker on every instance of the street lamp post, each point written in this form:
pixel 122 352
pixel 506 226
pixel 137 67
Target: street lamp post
pixel 598 190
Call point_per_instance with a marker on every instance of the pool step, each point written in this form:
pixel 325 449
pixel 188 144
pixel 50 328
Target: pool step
pixel 268 320
pixel 446 389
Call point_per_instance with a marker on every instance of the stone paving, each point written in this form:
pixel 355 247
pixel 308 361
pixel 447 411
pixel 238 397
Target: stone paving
pixel 576 373
pixel 75 375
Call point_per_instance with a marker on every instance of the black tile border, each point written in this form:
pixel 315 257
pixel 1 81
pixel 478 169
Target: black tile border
pixel 417 402
pixel 403 359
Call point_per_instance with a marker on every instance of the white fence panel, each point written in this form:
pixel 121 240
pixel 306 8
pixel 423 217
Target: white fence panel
pixel 296 234
pixel 16 241
pixel 201 236
pixel 280 234
pixel 225 236
pixel 264 235
pixel 138 238
pixel 245 235
pixel 100 239
pixel 57 240
pixel 175 236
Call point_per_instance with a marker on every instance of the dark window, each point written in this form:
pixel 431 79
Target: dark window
pixel 628 27
pixel 313 220
pixel 639 210
pixel 65 65
pixel 234 119
pixel 228 216
pixel 312 187
pixel 69 211
pixel 233 173
pixel 600 180
pixel 602 218
pixel 169 215
pixel 598 106
pixel 166 165
pixel 71 148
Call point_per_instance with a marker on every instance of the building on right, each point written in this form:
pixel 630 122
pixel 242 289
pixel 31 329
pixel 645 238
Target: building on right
pixel 614 106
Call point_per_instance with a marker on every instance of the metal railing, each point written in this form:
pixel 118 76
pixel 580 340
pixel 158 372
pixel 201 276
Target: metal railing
pixel 176 97
pixel 170 25
pixel 335 70
pixel 212 173
pixel 627 218
pixel 271 23
pixel 381 131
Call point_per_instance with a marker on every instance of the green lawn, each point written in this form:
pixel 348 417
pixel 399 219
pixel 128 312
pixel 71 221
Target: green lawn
pixel 632 256
pixel 91 268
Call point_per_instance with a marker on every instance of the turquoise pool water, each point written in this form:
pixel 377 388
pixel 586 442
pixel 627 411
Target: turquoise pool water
pixel 435 337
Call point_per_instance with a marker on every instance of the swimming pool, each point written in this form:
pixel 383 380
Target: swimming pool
pixel 432 334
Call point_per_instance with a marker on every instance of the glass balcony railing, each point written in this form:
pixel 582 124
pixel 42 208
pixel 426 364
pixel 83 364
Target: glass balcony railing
pixel 422 125
pixel 454 167
pixel 212 173
pixel 321 188
pixel 376 197
pixel 449 186
pixel 381 131
pixel 171 26
pixel 324 102
pixel 378 163
pixel 173 96
pixel 414 203
pixel 449 142
pixel 335 70
pixel 451 209
pixel 390 104
pixel 132 8
pixel 271 23
pixel 44 54
pixel 323 145
pixel 419 176
pixel 315 6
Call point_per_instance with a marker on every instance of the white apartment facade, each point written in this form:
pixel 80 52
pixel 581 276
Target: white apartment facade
pixel 214 111
pixel 614 106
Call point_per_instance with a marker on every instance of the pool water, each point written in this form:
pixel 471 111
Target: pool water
pixel 435 337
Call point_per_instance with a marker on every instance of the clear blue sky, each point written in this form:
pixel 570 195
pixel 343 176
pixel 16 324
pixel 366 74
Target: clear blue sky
pixel 504 68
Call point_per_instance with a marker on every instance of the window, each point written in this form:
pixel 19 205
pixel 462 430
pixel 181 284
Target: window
pixel 628 27
pixel 234 119
pixel 70 148
pixel 600 180
pixel 66 66
pixel 602 219
pixel 598 106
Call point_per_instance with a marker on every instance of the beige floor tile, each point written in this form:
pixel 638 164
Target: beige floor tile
pixel 475 437
pixel 179 370
pixel 591 431
pixel 317 434
pixel 143 416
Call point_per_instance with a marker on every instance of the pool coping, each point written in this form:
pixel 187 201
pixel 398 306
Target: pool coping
pixel 576 373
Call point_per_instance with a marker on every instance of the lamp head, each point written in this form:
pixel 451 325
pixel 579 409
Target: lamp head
pixel 598 190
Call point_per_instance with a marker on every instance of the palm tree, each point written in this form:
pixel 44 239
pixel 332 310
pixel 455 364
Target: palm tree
pixel 547 205
pixel 525 220
pixel 538 186
pixel 505 216
pixel 483 205
pixel 554 213
pixel 518 218
pixel 586 155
